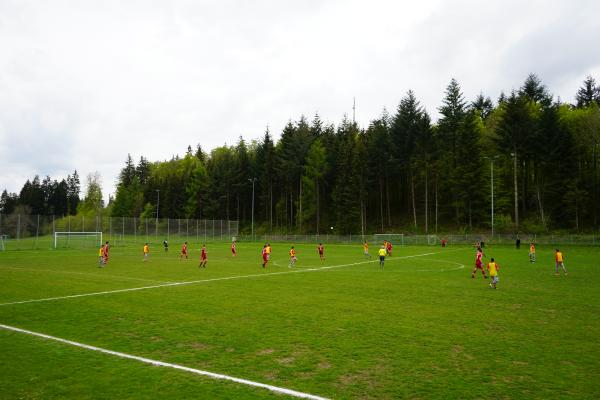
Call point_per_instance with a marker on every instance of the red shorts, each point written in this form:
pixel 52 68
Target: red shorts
pixel 320 253
pixel 478 265
pixel 203 257
pixel 265 257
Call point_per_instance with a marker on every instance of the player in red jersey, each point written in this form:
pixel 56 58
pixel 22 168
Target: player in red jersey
pixel 478 264
pixel 203 258
pixel 265 256
pixel 105 253
pixel 184 252
pixel 321 251
pixel 233 249
pixel 389 248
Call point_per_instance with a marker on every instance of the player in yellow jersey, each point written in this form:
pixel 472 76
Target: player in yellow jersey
pixel 560 262
pixel 293 258
pixel 531 253
pixel 382 254
pixel 101 256
pixel 268 251
pixel 366 250
pixel 493 268
pixel 146 252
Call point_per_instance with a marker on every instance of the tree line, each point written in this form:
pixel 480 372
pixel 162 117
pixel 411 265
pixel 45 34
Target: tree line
pixel 401 173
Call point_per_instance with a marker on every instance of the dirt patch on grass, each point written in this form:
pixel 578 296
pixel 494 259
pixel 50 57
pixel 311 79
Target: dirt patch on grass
pixel 323 365
pixel 199 346
pixel 287 361
pixel 368 378
pixel 265 352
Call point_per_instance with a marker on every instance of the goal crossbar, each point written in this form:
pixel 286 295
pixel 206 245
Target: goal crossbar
pixel 77 234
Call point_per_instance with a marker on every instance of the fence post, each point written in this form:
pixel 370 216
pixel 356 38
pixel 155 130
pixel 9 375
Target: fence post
pixel 18 226
pixel 134 230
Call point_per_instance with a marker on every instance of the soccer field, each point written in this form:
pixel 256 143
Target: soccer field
pixel 338 328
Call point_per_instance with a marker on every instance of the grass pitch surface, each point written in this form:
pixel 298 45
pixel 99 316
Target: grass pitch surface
pixel 419 328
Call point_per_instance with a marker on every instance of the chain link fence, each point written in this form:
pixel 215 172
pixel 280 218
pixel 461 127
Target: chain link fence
pixel 21 231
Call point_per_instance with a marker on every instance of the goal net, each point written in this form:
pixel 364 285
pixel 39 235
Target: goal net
pixel 432 240
pixel 397 239
pixel 77 239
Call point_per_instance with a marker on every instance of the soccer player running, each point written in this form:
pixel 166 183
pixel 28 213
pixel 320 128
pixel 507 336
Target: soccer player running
pixel 382 253
pixel 493 268
pixel 389 248
pixel 146 252
pixel 478 264
pixel 265 256
pixel 203 258
pixel 321 251
pixel 268 249
pixel 233 249
pixel 293 258
pixel 531 253
pixel 560 262
pixel 184 252
pixel 166 245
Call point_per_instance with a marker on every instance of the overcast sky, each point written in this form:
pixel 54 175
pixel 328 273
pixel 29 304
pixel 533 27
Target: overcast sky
pixel 83 83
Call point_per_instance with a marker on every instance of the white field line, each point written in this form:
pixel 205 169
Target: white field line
pixel 290 271
pixel 82 273
pixel 213 375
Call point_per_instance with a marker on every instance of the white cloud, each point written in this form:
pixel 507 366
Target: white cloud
pixel 84 83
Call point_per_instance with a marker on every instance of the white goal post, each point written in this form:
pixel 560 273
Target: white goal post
pixel 397 239
pixel 80 237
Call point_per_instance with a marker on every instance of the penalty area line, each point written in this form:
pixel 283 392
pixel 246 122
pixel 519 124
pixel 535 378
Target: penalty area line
pixel 158 363
pixel 289 271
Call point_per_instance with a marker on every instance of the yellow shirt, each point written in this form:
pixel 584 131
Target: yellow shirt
pixel 366 247
pixel 382 252
pixel 559 256
pixel 532 249
pixel 493 269
pixel 100 251
pixel 292 253
pixel 146 249
pixel 268 250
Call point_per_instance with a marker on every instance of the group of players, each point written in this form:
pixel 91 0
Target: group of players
pixel 493 267
pixel 385 250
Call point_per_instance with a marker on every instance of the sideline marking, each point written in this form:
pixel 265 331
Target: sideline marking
pixel 290 271
pixel 81 273
pixel 213 375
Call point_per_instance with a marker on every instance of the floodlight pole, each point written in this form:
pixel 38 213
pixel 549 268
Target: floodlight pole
pixel 492 173
pixel 514 155
pixel 253 180
pixel 157 208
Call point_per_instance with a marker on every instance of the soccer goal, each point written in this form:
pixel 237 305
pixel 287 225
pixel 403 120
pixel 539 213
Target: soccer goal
pixel 432 240
pixel 77 239
pixel 397 239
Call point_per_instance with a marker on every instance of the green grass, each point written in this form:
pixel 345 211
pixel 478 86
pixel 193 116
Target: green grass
pixel 420 328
